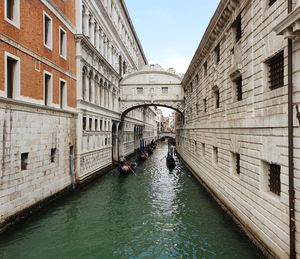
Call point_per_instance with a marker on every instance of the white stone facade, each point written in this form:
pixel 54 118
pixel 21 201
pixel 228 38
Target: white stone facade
pixel 107 48
pixel 224 125
pixel 49 139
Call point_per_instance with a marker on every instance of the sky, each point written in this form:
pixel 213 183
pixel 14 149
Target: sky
pixel 170 30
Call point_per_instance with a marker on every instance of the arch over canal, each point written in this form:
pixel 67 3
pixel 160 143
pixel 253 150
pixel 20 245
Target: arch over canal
pixel 151 86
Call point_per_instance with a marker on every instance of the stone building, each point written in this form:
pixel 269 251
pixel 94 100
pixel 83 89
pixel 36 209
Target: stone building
pixel 236 131
pixel 107 49
pixel 37 101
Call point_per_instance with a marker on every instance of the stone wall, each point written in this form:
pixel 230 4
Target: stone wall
pixel 25 128
pixel 254 128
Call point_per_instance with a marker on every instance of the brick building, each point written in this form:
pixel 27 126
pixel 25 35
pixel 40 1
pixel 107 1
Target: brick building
pixel 37 101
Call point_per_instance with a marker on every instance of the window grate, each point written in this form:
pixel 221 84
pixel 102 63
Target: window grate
pixel 239 88
pixel 274 178
pixel 238 163
pixel 276 72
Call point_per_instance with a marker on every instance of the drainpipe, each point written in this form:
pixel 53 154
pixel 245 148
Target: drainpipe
pixel 291 144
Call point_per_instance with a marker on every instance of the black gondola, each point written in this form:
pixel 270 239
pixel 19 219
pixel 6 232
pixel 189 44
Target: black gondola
pixel 170 162
pixel 127 167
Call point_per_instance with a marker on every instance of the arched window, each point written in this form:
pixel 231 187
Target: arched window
pixel 101 92
pixel 105 94
pixel 84 75
pixel 90 85
pixel 97 89
pixel 124 67
pixel 120 65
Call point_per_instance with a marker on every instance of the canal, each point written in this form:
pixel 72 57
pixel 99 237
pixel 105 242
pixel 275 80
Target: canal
pixel 155 214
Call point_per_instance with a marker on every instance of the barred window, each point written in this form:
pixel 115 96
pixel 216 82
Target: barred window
pixel 238 163
pixel 215 154
pixel 271 2
pixel 217 54
pixel 24 161
pixel 204 105
pixel 274 178
pixel 53 154
pixel 276 71
pixel 237 27
pixel 239 88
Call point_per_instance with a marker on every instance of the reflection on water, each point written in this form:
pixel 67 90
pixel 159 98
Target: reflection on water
pixel 156 214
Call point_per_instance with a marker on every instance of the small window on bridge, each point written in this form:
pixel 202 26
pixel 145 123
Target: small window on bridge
pixel 164 90
pixel 139 90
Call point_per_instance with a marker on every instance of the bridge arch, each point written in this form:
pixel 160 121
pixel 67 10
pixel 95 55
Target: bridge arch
pixel 151 86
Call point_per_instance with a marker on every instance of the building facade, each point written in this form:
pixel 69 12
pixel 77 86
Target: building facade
pixel 37 102
pixel 107 49
pixel 235 136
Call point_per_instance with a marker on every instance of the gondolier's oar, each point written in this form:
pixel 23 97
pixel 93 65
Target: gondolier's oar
pixel 131 169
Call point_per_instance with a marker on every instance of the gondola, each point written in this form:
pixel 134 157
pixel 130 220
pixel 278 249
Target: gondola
pixel 143 156
pixel 127 167
pixel 170 162
pixel 150 151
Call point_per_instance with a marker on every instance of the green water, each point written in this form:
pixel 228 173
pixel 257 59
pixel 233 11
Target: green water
pixel 156 214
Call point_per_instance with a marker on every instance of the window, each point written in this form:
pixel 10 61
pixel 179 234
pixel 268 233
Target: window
pixel 197 108
pixel 236 163
pixel 47 31
pixel 274 178
pixel 62 94
pixel 12 12
pixel 105 128
pixel 215 155
pixel 203 149
pixel 101 125
pixel 205 68
pixel 216 97
pixel 204 105
pixel 239 88
pixel 62 43
pixel 24 161
pixel 90 124
pixel 217 54
pixel 53 154
pixel 83 123
pixel 139 90
pixel 237 28
pixel 164 90
pixel 47 88
pixel 195 144
pixel 96 124
pixel 105 143
pixel 276 71
pixel 12 76
pixel 271 2
pixel 196 79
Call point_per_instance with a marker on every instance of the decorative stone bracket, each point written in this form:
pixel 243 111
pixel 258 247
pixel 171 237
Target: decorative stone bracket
pixel 289 27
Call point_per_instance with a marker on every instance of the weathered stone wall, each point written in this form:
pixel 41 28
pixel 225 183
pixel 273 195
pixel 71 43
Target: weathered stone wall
pixel 254 127
pixel 25 128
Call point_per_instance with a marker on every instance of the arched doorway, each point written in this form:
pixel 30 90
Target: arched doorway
pixel 115 144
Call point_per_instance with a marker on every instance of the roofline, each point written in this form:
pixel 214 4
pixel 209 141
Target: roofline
pixel 134 32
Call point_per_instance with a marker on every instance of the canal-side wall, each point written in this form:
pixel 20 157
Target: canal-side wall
pixel 37 132
pixel 235 130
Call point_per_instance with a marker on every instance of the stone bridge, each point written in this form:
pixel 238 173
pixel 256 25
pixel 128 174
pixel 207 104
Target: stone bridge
pixel 166 135
pixel 151 86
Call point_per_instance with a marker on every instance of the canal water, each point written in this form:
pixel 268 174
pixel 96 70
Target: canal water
pixel 155 214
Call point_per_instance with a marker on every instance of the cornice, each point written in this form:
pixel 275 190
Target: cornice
pixel 217 24
pixel 289 27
